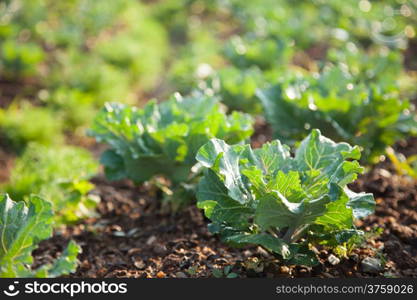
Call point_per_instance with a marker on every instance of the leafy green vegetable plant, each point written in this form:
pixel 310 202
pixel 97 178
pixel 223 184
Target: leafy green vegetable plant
pixel 60 175
pixel 76 109
pixel 21 125
pixel 141 37
pixel 19 60
pixel 22 227
pixel 237 88
pixel 370 66
pixel 370 116
pixel 403 165
pixel 331 22
pixel 251 51
pixel 280 202
pixel 162 139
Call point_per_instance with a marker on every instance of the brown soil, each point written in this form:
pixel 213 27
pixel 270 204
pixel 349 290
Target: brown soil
pixel 410 61
pixel 6 163
pixel 133 238
pixel 396 214
pixel 11 90
pixel 262 133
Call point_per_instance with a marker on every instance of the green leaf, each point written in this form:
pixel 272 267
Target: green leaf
pixel 218 273
pixel 271 158
pixel 267 241
pixel 289 185
pixel 113 165
pixel 274 210
pixel 237 88
pixel 218 205
pixel 338 214
pixel 362 204
pixel 301 255
pixel 67 262
pixel 22 227
pixel 320 153
pixel 335 238
pixel 225 161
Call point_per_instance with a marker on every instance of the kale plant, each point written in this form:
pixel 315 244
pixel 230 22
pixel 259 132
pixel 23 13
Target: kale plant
pixel 371 116
pixel 22 227
pixel 280 202
pixel 163 139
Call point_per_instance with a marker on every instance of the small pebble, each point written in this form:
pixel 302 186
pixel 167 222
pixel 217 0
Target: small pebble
pixel 263 252
pixel 371 265
pixel 139 263
pixel 180 275
pixel 384 173
pixel 160 274
pixel 150 240
pixel 333 260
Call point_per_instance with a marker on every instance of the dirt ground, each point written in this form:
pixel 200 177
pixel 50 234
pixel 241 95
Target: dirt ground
pixel 131 237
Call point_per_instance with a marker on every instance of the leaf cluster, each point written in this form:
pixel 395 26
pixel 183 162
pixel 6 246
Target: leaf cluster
pixel 162 139
pixel 22 227
pixel 281 202
pixel 369 115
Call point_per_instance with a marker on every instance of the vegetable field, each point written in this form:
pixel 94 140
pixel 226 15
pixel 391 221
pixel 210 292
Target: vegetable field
pixel 196 138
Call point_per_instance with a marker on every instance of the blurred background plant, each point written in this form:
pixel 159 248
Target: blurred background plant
pixel 60 175
pixel 403 165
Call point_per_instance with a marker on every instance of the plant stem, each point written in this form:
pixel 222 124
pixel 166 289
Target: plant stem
pixel 288 235
pixel 298 233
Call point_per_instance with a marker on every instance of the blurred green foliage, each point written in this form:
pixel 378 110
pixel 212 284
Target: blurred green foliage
pixel 60 175
pixel 22 124
pixel 341 105
pixel 98 50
